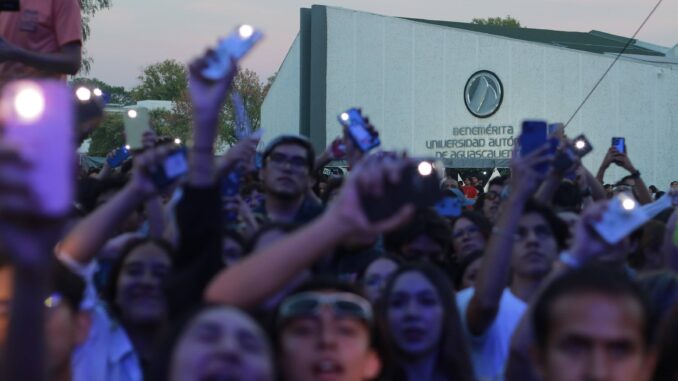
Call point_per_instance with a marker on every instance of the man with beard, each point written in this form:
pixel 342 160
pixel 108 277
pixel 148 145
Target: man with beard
pixel 286 175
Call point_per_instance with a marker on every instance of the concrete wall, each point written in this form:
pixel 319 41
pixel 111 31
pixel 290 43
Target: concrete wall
pixel 409 78
pixel 280 110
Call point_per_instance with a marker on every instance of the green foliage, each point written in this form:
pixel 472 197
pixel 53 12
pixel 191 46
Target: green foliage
pixel 108 136
pixel 165 80
pixel 118 94
pixel 498 21
pixel 88 9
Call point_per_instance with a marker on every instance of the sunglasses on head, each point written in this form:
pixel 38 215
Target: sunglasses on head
pixel 343 304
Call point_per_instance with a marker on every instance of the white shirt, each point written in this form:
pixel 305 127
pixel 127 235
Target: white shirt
pixel 107 354
pixel 489 352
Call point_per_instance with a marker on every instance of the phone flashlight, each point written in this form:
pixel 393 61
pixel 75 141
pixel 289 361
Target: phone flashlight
pixel 344 116
pixel 29 103
pixel 83 94
pixel 580 144
pixel 127 147
pixel 97 92
pixel 628 204
pixel 177 141
pixel 245 31
pixel 425 168
pixel 132 113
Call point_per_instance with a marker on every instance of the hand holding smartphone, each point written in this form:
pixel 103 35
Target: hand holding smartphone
pixel 233 47
pixel 418 185
pixel 39 120
pixel 137 122
pixel 169 170
pixel 619 144
pixel 357 129
pixel 533 136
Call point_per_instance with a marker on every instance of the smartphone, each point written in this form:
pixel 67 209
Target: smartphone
pixel 623 215
pixel 121 154
pixel 449 206
pixel 418 185
pixel 357 129
pixel 230 187
pixel 619 144
pixel 565 159
pixel 235 46
pixel 534 135
pixel 243 126
pixel 39 120
pixel 137 121
pixel 170 170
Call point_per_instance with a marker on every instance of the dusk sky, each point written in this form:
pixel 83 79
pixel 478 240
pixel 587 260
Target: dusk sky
pixel 135 33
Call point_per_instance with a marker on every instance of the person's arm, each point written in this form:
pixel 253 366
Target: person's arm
pixel 605 164
pixel 26 239
pixel 263 272
pixel 494 272
pixel 548 188
pixel 156 217
pixel 66 61
pixel 644 196
pixel 326 156
pixel 85 240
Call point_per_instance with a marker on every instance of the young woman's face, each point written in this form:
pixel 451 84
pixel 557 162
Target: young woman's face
pixel 222 343
pixel 415 314
pixel 376 276
pixel 327 347
pixel 466 238
pixel 139 294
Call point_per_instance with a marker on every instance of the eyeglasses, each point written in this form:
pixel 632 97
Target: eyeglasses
pixel 492 195
pixel 469 231
pixel 343 304
pixel 278 160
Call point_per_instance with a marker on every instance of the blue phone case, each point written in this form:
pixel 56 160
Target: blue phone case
pixel 121 154
pixel 357 130
pixel 534 135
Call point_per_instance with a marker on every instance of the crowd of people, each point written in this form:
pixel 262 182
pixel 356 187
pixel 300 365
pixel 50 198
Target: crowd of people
pixel 290 277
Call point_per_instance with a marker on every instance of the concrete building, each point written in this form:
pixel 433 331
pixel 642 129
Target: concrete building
pixel 459 91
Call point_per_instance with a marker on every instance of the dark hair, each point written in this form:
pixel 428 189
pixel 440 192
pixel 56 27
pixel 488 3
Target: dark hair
pixel 295 140
pixel 478 219
pixel 568 197
pixel 667 366
pixel 652 188
pixel 463 266
pixel 271 226
pixel 588 279
pixel 425 222
pixel 649 237
pixel 110 291
pixel 392 258
pixel 501 181
pixel 559 227
pixel 69 285
pixel 453 356
pixel 661 289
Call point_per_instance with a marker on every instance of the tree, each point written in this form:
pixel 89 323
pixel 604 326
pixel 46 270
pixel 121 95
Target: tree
pixel 88 9
pixel 498 21
pixel 165 80
pixel 115 94
pixel 108 136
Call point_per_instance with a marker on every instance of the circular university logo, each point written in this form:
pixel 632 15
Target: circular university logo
pixel 483 93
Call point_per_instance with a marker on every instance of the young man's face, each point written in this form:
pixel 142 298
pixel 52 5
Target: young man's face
pixel 422 248
pixel 285 173
pixel 535 248
pixel 327 347
pixel 595 337
pixel 64 328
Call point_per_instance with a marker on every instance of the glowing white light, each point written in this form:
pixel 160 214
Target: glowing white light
pixel 246 31
pixel 628 204
pixel 177 141
pixel 344 116
pixel 127 147
pixel 484 173
pixel 98 92
pixel 425 168
pixel 83 94
pixel 580 144
pixel 29 104
pixel 132 113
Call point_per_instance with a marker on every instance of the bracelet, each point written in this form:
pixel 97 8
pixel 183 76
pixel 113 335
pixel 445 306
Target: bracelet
pixel 570 261
pixel 635 174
